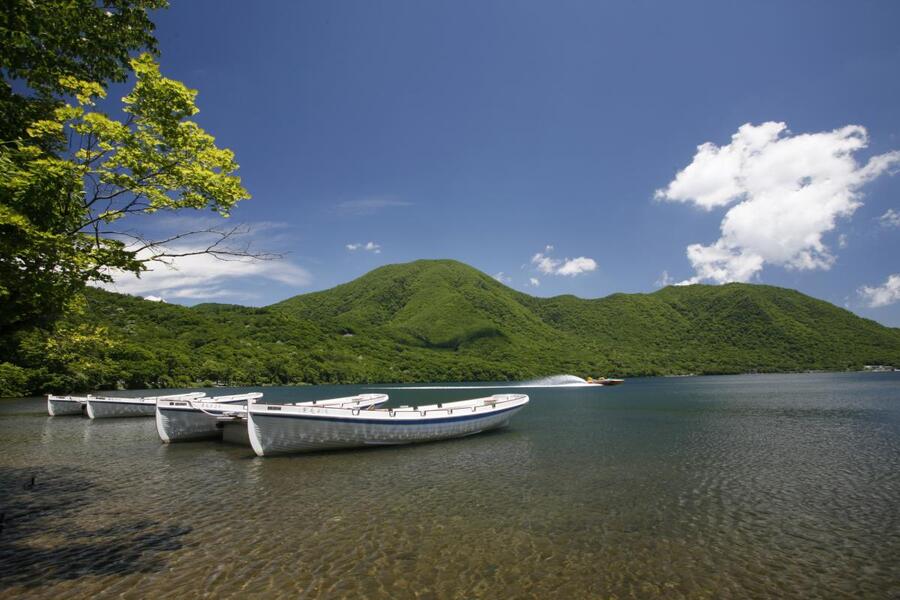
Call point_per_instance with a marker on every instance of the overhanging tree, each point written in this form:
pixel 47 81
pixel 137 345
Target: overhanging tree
pixel 58 212
pixel 71 174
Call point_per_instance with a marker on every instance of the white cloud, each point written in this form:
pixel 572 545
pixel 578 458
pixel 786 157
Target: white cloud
pixel 534 282
pixel 212 293
pixel 576 266
pixel 503 278
pixel 664 280
pixel 785 191
pixel 154 299
pixel 842 240
pixel 567 266
pixel 545 264
pixel 204 276
pixel 890 219
pixel 368 247
pixel 721 263
pixel 882 295
pixel 368 206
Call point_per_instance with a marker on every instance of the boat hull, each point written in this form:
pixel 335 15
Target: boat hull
pixel 285 433
pixel 106 409
pixel 103 407
pixel 235 432
pixel 226 419
pixel 60 406
pixel 187 425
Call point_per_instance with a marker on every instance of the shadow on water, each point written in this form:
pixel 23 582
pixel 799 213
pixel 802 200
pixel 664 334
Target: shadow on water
pixel 45 532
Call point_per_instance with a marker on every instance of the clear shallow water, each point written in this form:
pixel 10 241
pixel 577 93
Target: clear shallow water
pixel 720 487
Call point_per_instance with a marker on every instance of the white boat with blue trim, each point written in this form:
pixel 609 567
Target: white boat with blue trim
pixel 182 420
pixel 103 407
pixel 282 429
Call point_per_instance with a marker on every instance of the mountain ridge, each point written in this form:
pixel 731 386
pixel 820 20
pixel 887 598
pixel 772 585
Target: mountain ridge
pixel 442 320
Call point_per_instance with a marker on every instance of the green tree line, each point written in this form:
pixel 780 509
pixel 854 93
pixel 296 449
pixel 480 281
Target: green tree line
pixel 445 321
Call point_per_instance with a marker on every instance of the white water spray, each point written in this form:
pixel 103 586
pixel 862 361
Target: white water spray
pixel 553 381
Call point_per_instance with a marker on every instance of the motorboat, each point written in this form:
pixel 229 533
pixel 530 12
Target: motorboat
pixel 604 381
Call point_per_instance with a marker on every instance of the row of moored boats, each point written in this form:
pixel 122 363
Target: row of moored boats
pixel 345 422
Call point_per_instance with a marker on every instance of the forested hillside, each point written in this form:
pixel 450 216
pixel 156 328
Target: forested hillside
pixel 441 320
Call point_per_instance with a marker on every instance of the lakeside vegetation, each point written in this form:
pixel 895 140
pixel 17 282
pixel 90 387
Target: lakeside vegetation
pixel 441 320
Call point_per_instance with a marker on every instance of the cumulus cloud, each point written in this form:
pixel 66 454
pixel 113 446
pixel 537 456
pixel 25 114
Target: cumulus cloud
pixel 785 191
pixel 571 267
pixel 891 218
pixel 368 206
pixel 502 278
pixel 664 280
pixel 534 282
pixel 154 299
pixel 545 264
pixel 368 247
pixel 576 266
pixel 882 295
pixel 203 276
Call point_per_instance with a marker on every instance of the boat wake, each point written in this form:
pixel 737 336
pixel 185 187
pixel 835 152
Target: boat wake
pixel 553 381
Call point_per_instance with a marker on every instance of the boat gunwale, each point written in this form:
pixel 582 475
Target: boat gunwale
pixel 77 399
pixel 145 401
pixel 387 420
pixel 229 399
pixel 340 400
pixel 201 406
pixel 398 415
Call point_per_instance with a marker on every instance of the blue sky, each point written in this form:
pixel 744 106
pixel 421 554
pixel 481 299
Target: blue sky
pixel 487 131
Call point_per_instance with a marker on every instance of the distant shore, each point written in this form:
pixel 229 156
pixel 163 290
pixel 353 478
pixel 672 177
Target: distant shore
pixel 499 383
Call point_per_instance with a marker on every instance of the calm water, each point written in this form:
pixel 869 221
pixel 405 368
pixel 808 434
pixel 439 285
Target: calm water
pixel 720 487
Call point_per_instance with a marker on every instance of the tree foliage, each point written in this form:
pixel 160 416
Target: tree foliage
pixel 44 42
pixel 71 174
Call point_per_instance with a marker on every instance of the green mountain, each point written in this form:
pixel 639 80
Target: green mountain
pixel 441 320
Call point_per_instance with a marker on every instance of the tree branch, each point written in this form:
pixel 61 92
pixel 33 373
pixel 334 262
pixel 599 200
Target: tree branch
pixel 219 247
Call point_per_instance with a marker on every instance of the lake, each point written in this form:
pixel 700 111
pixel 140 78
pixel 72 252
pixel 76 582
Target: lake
pixel 719 487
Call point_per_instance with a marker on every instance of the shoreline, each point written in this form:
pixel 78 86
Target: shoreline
pixel 513 383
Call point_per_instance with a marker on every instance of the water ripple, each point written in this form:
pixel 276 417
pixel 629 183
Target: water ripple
pixel 776 487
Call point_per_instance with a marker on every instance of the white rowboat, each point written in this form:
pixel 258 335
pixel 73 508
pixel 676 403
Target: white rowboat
pixel 65 405
pixel 103 407
pixel 210 418
pixel 281 429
